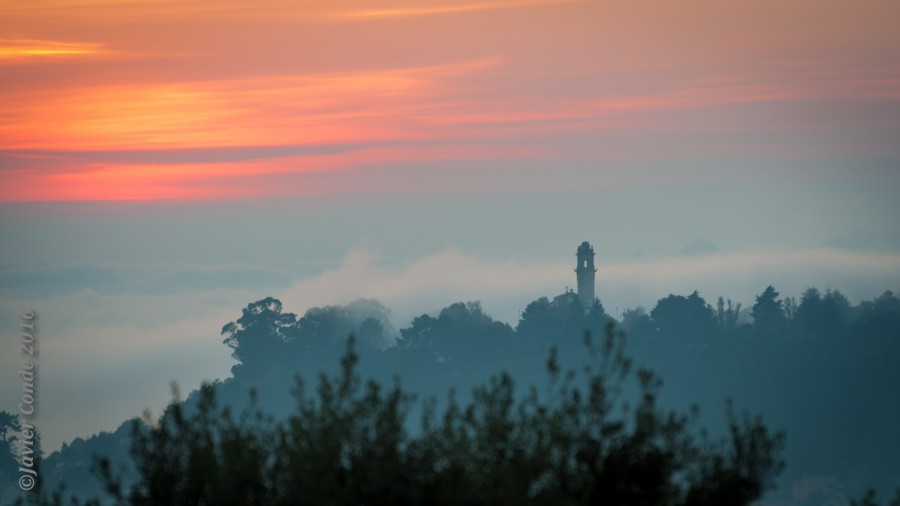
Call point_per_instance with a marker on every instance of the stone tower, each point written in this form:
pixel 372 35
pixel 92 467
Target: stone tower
pixel 585 271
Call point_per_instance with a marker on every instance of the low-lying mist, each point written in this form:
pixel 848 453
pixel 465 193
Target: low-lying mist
pixel 157 334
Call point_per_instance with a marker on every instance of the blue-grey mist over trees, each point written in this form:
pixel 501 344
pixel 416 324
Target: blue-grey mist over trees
pixel 813 365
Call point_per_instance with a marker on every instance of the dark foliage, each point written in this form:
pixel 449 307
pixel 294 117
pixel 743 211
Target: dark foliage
pixel 768 313
pixel 821 368
pixel 679 316
pixel 871 499
pixel 349 443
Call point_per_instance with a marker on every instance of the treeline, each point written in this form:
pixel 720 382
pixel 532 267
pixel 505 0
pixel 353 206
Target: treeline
pixel 819 367
pixel 816 315
pixel 265 334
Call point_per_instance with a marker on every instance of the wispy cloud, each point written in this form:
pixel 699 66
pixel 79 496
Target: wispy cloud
pixel 72 178
pixel 272 110
pixel 365 106
pixel 447 8
pixel 19 50
pixel 343 121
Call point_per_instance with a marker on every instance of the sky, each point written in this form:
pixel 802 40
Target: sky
pixel 162 164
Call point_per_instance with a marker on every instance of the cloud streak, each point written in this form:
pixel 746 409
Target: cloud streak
pixel 19 50
pixel 343 121
pixel 457 8
pixel 312 109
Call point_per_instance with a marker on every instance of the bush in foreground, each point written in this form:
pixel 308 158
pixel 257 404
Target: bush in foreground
pixel 349 442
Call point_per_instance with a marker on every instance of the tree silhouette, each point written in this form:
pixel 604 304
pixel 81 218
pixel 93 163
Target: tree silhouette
pixel 728 318
pixel 636 322
pixel 9 428
pixel 458 329
pixel 683 317
pixel 560 320
pixel 878 319
pixel 835 310
pixel 350 443
pixel 537 321
pixel 259 335
pixel 768 313
pixel 328 326
pixel 870 499
pixel 808 317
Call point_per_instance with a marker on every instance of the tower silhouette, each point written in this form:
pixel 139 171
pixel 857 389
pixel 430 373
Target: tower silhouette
pixel 584 272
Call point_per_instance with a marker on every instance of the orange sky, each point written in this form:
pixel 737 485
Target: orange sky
pixel 120 100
